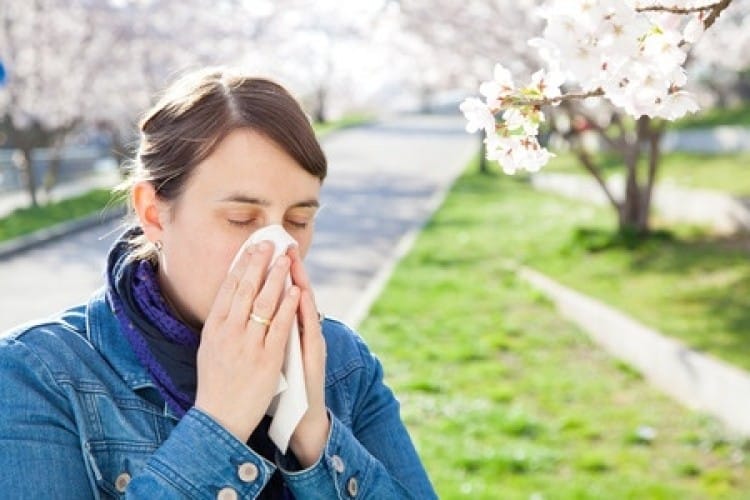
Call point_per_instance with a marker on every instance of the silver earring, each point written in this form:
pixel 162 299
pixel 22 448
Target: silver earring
pixel 159 245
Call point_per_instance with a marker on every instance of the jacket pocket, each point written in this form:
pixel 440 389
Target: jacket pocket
pixel 114 463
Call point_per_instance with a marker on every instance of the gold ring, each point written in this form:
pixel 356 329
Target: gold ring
pixel 259 319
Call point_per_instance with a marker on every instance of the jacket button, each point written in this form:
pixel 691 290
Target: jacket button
pixel 248 472
pixel 337 463
pixel 122 481
pixel 352 486
pixel 227 494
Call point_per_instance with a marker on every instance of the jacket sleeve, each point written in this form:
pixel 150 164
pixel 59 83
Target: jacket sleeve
pixel 201 459
pixel 373 459
pixel 43 456
pixel 41 453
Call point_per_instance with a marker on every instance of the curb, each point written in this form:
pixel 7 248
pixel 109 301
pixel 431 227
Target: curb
pixel 48 234
pixel 699 381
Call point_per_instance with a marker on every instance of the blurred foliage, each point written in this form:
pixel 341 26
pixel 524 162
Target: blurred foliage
pixel 728 172
pixel 714 117
pixel 353 120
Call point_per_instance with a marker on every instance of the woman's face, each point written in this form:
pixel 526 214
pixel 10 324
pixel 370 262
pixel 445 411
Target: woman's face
pixel 247 183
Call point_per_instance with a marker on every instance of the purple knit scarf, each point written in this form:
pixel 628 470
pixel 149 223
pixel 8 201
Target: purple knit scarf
pixel 166 346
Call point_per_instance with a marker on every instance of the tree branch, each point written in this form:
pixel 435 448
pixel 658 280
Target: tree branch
pixel 714 15
pixel 618 143
pixel 595 170
pixel 546 101
pixel 677 10
pixel 716 9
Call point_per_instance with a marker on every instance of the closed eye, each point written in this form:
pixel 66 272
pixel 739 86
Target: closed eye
pixel 297 224
pixel 242 223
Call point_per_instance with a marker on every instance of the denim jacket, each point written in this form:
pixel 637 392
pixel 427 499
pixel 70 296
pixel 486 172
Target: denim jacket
pixel 80 418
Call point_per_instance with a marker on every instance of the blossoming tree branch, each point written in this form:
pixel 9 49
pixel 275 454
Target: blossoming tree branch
pixel 630 53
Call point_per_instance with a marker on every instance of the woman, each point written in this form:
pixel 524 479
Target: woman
pixel 159 386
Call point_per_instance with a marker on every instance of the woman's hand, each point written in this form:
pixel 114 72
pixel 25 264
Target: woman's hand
pixel 240 359
pixel 311 434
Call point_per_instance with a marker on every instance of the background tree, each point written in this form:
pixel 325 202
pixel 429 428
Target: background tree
pixel 636 141
pixel 75 64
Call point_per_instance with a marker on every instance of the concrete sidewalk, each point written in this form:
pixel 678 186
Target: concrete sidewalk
pixel 384 182
pixel 721 139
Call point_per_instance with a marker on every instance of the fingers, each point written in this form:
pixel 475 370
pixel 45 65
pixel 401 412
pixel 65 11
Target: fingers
pixel 308 311
pixel 278 332
pixel 249 284
pixel 313 343
pixel 265 304
pixel 298 272
pixel 301 279
pixel 224 296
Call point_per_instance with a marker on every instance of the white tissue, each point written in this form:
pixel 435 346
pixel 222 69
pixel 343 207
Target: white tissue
pixel 290 402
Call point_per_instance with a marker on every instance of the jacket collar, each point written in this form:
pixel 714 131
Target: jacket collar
pixel 104 333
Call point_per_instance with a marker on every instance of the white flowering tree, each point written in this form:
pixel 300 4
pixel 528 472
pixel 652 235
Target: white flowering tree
pixel 461 39
pixel 630 54
pixel 329 53
pixel 71 63
pixel 723 57
pixel 37 40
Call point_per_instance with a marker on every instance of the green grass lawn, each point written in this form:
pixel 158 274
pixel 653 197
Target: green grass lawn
pixel 713 117
pixel 507 400
pixel 323 129
pixel 28 220
pixel 723 172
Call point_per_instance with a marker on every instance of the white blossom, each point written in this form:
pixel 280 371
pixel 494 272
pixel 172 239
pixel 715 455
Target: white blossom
pixel 693 30
pixel 548 83
pixel 517 120
pixel 477 113
pixel 635 59
pixel 497 88
pixel 676 105
pixel 517 153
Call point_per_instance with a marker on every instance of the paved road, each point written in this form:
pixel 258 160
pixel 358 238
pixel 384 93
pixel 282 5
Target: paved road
pixel 384 180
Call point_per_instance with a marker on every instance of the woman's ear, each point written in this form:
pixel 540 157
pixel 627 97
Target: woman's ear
pixel 149 209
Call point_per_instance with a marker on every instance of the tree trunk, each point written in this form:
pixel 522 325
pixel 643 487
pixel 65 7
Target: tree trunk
pixel 654 156
pixel 483 166
pixel 52 175
pixel 26 140
pixel 629 208
pixel 320 105
pixel 26 167
pixel 425 99
pixel 636 206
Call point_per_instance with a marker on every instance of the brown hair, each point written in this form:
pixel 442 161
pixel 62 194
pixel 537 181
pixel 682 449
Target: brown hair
pixel 196 113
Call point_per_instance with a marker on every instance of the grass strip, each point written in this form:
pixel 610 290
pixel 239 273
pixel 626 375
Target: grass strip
pixel 727 172
pixel 323 129
pixel 27 220
pixel 714 117
pixel 507 400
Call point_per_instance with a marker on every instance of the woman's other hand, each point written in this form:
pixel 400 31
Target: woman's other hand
pixel 311 434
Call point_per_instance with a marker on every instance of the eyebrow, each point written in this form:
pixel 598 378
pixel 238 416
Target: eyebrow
pixel 241 198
